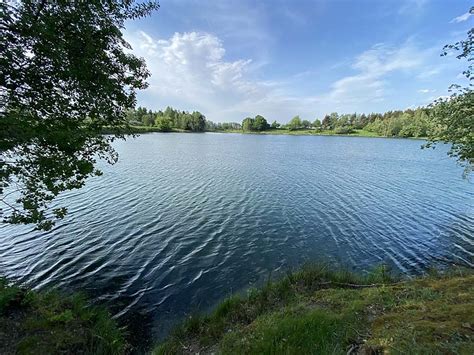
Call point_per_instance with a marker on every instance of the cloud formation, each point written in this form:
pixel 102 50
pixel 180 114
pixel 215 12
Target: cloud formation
pixel 462 18
pixel 190 71
pixel 369 84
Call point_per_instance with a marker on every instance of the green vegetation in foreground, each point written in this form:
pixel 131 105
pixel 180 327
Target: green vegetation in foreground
pixel 316 311
pixel 50 323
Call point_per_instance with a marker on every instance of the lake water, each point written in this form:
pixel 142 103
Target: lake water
pixel 185 219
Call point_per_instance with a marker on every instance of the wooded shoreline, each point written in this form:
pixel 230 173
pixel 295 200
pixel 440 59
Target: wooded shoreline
pixel 279 131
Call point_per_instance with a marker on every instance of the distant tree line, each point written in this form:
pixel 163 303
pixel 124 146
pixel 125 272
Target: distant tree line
pixel 408 123
pixel 167 120
pixel 224 126
pixel 171 119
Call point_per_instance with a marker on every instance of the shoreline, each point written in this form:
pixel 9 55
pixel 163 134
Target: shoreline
pixel 313 307
pixel 276 132
pixel 358 133
pixel 320 310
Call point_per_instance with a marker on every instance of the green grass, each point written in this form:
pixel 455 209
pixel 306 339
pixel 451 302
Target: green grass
pixel 279 131
pixel 311 132
pixel 317 311
pixel 291 330
pixel 142 129
pixel 52 323
pixel 301 132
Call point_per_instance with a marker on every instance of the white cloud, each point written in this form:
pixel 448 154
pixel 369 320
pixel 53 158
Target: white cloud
pixel 425 91
pixel 190 71
pixel 368 86
pixel 147 44
pixel 461 18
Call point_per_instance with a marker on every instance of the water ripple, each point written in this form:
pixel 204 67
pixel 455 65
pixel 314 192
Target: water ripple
pixel 185 219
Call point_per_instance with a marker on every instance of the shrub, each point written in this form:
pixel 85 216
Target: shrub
pixel 343 130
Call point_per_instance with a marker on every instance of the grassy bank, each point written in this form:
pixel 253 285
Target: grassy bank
pixel 317 311
pixel 305 132
pixel 50 323
pixel 312 132
pixel 312 311
pixel 142 129
pixel 279 131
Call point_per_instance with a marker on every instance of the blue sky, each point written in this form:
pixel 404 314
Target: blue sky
pixel 235 58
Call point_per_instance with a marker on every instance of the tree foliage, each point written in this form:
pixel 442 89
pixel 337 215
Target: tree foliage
pixel 407 123
pixel 295 123
pixel 453 117
pixel 259 123
pixel 222 126
pixel 316 124
pixel 67 73
pixel 168 119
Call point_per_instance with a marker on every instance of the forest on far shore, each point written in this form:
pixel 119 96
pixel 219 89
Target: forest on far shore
pixel 407 123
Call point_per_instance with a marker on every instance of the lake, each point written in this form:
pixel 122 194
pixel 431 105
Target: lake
pixel 182 220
